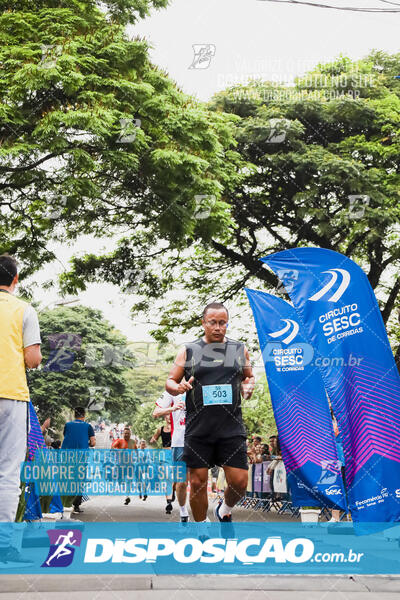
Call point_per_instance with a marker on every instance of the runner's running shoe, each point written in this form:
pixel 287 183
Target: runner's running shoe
pixel 227 529
pixel 185 519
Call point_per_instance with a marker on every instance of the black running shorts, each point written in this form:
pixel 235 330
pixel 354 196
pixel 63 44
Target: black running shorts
pixel 204 453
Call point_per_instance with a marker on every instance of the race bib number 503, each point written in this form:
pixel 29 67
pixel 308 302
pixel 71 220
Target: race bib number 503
pixel 217 394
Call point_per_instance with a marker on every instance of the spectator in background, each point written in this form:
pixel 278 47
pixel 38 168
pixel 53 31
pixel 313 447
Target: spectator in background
pixel 46 424
pixel 265 456
pixel 277 449
pixel 258 452
pixel 276 455
pixel 273 440
pixel 255 449
pixel 164 432
pixel 19 349
pixel 125 443
pixel 261 453
pixel 78 435
pixel 142 446
pixel 250 449
pixel 255 440
pixel 173 407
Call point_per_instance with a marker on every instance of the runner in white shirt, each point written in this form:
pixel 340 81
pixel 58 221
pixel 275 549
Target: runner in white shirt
pixel 174 406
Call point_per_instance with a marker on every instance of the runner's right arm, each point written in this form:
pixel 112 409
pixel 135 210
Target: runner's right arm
pixel 176 383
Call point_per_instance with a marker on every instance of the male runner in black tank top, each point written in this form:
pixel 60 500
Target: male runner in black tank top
pixel 215 372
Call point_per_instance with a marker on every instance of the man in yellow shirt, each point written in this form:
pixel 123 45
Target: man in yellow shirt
pixel 19 349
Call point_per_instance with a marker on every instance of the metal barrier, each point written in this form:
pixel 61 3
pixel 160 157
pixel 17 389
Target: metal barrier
pixel 270 492
pixel 267 492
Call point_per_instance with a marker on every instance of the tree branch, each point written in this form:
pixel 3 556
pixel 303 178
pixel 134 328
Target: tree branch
pixel 31 166
pixel 391 300
pixel 253 265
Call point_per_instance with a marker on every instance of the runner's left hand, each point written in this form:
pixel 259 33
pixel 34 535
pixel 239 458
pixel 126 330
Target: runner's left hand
pixel 247 387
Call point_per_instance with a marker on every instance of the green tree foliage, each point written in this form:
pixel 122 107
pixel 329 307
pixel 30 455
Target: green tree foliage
pixel 143 423
pixel 84 359
pixel 119 11
pixel 308 152
pixel 147 383
pixel 257 412
pixel 94 139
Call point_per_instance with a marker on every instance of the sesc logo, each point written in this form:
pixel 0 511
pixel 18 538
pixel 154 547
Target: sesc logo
pixel 345 280
pixel 333 490
pixel 190 550
pixel 291 326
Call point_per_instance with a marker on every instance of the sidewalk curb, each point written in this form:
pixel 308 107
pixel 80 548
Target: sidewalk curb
pixel 290 583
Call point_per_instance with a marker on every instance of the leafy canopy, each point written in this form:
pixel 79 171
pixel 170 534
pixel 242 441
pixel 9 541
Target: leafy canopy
pixel 84 360
pixel 119 11
pixel 319 166
pixel 95 140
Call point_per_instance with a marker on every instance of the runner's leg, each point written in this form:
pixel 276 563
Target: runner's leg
pixel 181 492
pixel 236 485
pixel 198 493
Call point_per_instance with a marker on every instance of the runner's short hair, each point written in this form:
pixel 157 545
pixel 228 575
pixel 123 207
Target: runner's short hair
pixel 216 306
pixel 8 269
pixel 79 412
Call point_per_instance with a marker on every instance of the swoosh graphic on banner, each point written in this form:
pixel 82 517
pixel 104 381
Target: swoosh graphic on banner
pixel 291 336
pixel 341 289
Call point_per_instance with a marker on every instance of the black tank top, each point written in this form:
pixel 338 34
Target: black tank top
pixel 165 438
pixel 216 364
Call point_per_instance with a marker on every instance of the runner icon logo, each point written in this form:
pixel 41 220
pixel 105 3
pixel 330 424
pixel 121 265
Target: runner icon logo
pixel 291 326
pixel 61 552
pixel 345 275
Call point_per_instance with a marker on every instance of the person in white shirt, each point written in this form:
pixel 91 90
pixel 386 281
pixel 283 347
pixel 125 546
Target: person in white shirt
pixel 175 407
